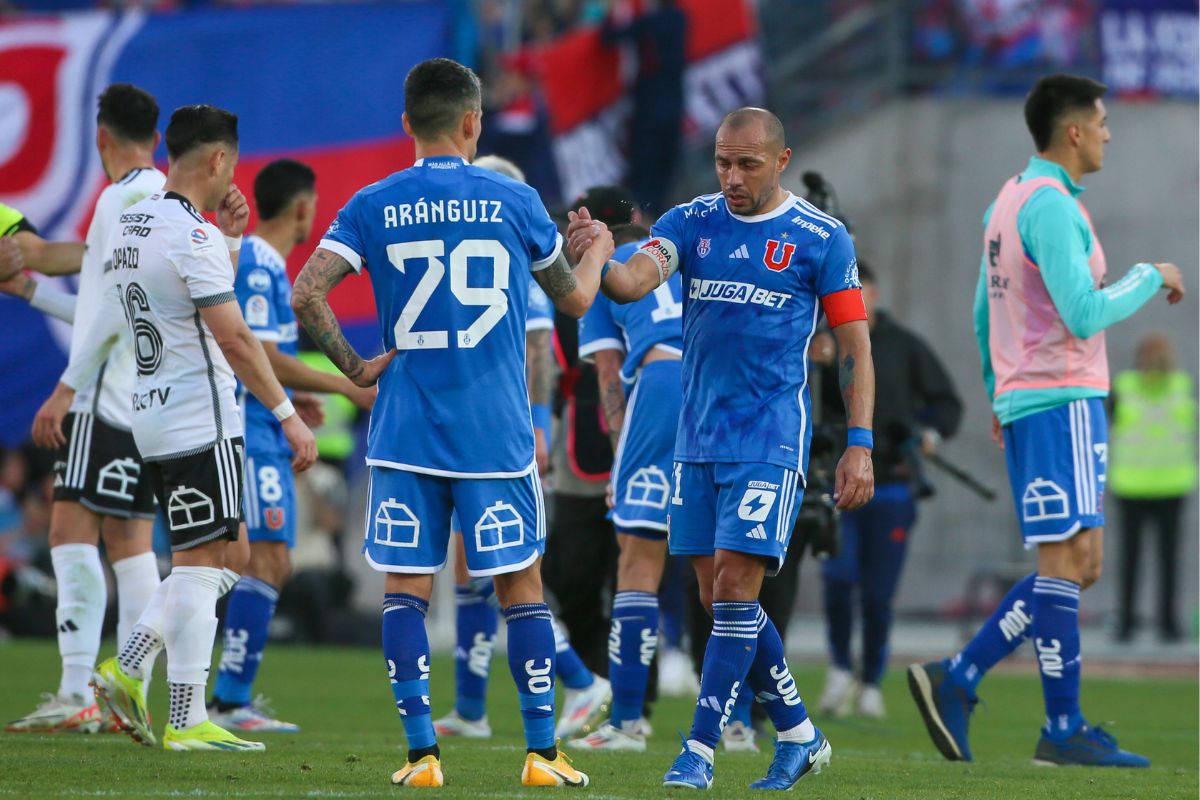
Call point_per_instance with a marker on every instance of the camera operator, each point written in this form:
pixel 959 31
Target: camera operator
pixel 919 407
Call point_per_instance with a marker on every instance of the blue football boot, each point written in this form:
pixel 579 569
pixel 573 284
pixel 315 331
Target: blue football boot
pixel 689 771
pixel 945 706
pixel 794 760
pixel 1087 747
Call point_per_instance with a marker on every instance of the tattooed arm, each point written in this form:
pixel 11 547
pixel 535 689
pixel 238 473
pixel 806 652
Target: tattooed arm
pixel 572 291
pixel 539 377
pixel 612 392
pixel 310 300
pixel 855 479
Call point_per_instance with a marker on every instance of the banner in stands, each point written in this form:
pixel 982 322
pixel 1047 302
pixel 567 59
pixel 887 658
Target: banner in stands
pixel 584 83
pixel 1149 47
pixel 320 83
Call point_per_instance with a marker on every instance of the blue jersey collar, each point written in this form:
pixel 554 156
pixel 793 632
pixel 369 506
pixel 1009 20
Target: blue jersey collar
pixel 425 162
pixel 778 211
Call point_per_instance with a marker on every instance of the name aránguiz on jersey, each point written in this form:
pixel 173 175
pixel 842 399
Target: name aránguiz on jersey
pixel 735 292
pixel 425 212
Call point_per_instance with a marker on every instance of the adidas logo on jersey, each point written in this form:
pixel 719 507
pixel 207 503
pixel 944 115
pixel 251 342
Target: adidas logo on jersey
pixel 741 252
pixel 758 532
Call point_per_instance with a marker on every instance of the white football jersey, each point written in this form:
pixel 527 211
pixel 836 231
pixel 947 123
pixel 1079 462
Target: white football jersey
pixel 168 262
pixel 108 397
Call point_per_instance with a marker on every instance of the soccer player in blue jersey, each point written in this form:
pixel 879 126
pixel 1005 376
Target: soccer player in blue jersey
pixel 759 265
pixel 285 195
pixel 636 349
pixel 476 605
pixel 447 247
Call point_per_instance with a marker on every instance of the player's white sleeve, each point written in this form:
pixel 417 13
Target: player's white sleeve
pixel 207 270
pixel 86 359
pixel 53 301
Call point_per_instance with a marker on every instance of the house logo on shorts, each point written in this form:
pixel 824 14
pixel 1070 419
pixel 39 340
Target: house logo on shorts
pixel 499 527
pixel 1044 500
pixel 189 508
pixel 118 478
pixel 758 501
pixel 396 525
pixel 648 487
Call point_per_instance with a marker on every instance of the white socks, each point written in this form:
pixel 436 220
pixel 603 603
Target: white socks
pixel 137 578
pixel 229 579
pixel 804 732
pixel 82 597
pixel 189 628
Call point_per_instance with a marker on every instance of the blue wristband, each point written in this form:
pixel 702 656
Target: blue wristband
pixel 604 269
pixel 541 417
pixel 860 437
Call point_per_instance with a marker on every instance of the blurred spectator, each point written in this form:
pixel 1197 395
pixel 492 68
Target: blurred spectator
pixel 1151 470
pixel 517 125
pixel 659 36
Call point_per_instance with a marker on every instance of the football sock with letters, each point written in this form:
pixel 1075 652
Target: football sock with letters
pixel 745 702
pixel 531 656
pixel 1008 626
pixel 247 618
pixel 727 658
pixel 82 597
pixel 406 649
pixel 1056 641
pixel 570 667
pixel 137 578
pixel 773 684
pixel 475 626
pixel 632 642
pixel 189 627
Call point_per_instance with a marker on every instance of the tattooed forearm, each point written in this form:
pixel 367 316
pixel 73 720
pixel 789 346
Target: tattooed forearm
pixel 856 373
pixel 612 393
pixel 538 373
pixel 557 280
pixel 846 380
pixel 324 271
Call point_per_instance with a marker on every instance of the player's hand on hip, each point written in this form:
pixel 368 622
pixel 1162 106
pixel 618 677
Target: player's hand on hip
pixel 1172 281
pixel 12 261
pixel 373 369
pixel 47 423
pixel 302 442
pixel 233 215
pixel 310 408
pixel 854 483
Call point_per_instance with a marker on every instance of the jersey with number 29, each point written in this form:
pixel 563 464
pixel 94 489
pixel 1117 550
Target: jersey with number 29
pixel 449 248
pixel 753 291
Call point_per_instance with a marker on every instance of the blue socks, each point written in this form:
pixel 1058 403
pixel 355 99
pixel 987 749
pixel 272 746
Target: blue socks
pixel 1056 640
pixel 475 632
pixel 251 606
pixel 1010 625
pixel 406 649
pixel 531 659
pixel 772 681
pixel 631 645
pixel 727 658
pixel 571 669
pixel 741 708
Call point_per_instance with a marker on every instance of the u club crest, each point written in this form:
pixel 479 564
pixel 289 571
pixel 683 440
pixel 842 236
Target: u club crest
pixel 703 247
pixel 778 256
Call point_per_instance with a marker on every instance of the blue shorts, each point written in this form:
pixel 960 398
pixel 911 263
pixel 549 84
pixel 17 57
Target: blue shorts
pixel 1057 464
pixel 408 521
pixel 270 498
pixel 748 508
pixel 645 454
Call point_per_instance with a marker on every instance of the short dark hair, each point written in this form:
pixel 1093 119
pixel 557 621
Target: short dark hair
pixel 437 93
pixel 278 183
pixel 193 126
pixel 1054 96
pixel 129 112
pixel 624 234
pixel 865 273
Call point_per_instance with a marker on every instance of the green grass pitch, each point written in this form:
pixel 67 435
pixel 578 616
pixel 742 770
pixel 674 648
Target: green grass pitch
pixel 352 741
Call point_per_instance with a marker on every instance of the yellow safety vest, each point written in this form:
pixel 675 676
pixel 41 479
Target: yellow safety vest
pixel 1152 448
pixel 335 439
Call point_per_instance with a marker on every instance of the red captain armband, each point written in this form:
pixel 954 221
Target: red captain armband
pixel 844 306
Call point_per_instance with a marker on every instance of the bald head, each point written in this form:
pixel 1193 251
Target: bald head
pixel 748 121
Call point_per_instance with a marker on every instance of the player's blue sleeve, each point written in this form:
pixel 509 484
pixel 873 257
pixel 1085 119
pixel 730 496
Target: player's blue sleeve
pixel 254 287
pixel 345 235
pixel 541 313
pixel 1054 234
pixel 673 227
pixel 598 330
pixel 541 235
pixel 839 267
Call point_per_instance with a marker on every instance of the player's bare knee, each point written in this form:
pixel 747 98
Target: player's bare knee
pixel 417 585
pixel 71 523
pixel 737 577
pixel 522 586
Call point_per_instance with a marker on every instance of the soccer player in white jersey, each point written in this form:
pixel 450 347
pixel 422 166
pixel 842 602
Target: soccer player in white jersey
pixel 171 279
pixel 448 247
pixel 759 265
pixel 100 487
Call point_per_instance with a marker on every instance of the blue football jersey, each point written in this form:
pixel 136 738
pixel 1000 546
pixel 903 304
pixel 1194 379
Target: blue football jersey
pixel 449 248
pixel 264 293
pixel 541 311
pixel 634 328
pixel 752 290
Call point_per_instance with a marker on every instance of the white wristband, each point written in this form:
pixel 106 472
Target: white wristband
pixel 234 243
pixel 283 410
